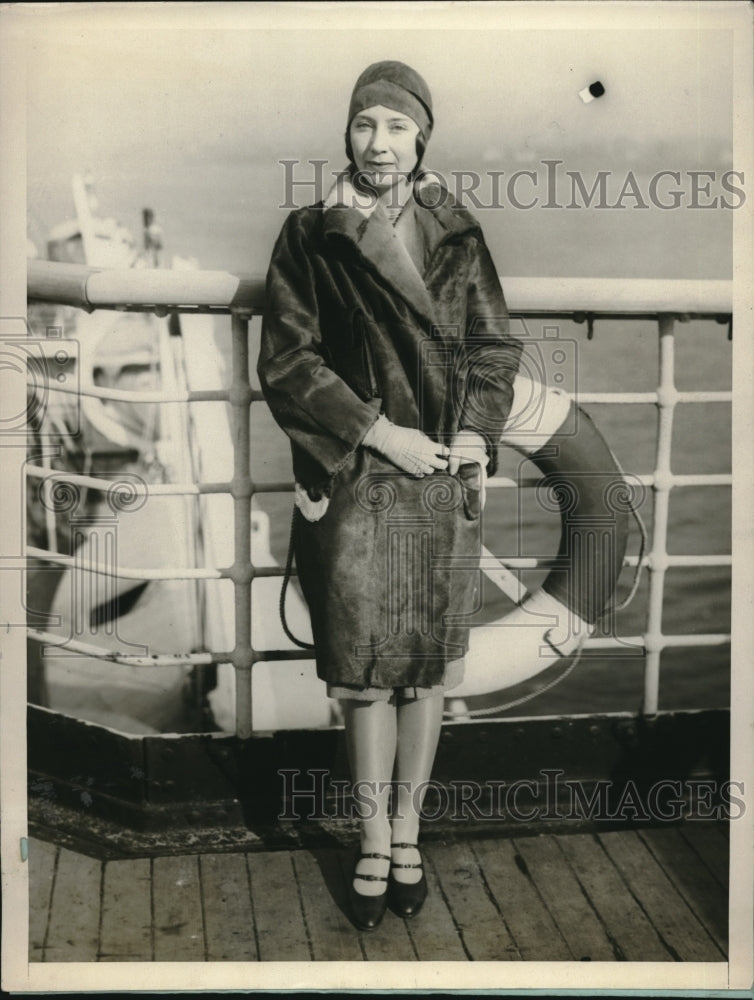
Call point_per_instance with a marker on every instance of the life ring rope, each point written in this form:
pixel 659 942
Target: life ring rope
pixel 474 713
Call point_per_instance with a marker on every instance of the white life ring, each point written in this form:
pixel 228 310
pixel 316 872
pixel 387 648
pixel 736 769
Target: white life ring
pixel 554 621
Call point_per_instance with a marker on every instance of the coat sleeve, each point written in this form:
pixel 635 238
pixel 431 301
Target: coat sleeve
pixel 313 405
pixel 490 358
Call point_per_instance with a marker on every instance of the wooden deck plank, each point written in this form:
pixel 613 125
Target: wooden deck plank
pixel 390 942
pixel 706 897
pixel 564 899
pixel 73 933
pixel 332 936
pixel 126 928
pixel 712 846
pixel 178 929
pixel 42 860
pixel 433 931
pixel 228 918
pixel 644 896
pixel 281 931
pixel 679 929
pixel 483 932
pixel 535 933
pixel 624 919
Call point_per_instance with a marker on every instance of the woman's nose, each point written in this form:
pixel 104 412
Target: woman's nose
pixel 379 140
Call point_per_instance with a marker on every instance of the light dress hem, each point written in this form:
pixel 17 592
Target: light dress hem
pixel 453 677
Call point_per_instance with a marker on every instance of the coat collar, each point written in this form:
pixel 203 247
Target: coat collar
pixel 359 218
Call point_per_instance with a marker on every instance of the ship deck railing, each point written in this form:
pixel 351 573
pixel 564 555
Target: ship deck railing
pixel 163 292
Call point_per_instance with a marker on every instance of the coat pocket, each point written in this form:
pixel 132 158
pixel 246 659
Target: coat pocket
pixel 470 478
pixel 353 356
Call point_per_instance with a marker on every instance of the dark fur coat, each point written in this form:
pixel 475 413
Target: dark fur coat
pixel 353 328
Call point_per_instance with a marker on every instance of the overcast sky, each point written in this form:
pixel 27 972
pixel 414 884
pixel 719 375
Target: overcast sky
pixel 277 89
pixel 164 109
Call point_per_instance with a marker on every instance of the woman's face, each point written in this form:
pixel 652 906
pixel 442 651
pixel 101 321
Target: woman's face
pixel 383 143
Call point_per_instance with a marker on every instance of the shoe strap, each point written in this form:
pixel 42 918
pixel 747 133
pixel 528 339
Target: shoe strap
pixel 372 878
pixel 404 847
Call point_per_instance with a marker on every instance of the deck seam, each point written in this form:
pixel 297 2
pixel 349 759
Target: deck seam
pixel 46 937
pixel 251 904
pixel 617 950
pixel 345 874
pixel 681 894
pixel 445 899
pixel 302 908
pixel 102 866
pixel 200 874
pixel 151 909
pixel 522 866
pixel 660 936
pixel 410 936
pixel 723 885
pixel 493 899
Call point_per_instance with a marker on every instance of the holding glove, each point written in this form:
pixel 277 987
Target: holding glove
pixel 469 447
pixel 409 449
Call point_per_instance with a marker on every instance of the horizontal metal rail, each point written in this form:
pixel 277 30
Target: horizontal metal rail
pixel 286 486
pixel 53 642
pixel 162 292
pixel 149 395
pixel 93 288
pixel 220 395
pixel 654 397
pixel 90 288
pixel 144 489
pixel 208 573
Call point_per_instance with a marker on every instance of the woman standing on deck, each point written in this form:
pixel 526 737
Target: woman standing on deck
pixel 386 358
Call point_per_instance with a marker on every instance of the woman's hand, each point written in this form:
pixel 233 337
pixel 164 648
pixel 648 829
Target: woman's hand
pixel 409 449
pixel 467 447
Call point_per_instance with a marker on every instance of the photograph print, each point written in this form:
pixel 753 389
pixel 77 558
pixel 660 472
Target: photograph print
pixel 379 386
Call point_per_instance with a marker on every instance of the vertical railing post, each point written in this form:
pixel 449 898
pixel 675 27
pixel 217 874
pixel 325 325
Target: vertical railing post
pixel 242 571
pixel 662 482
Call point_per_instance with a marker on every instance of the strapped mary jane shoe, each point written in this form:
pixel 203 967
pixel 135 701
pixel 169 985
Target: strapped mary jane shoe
pixel 368 911
pixel 405 899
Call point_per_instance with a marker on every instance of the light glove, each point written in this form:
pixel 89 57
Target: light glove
pixel 409 449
